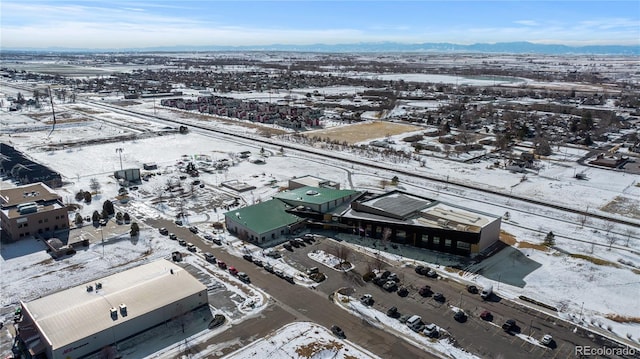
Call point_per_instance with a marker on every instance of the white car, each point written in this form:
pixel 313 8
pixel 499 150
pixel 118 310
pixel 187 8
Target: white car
pixel 546 339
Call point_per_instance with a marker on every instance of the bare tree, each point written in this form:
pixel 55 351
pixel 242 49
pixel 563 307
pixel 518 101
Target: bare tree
pixel 629 232
pixel 94 185
pixel 611 240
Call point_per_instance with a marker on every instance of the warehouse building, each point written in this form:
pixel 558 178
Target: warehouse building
pixel 405 218
pixel 85 319
pixel 33 209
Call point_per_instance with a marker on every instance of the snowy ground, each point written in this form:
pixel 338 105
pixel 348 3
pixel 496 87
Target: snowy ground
pixel 596 285
pixel 301 340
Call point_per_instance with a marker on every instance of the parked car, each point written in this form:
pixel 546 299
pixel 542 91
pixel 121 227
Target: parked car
pixel 217 241
pixel 425 291
pixel 182 242
pixel 432 274
pixel 222 264
pixel 419 269
pixel 431 330
pixel 268 267
pixel 288 247
pixel 486 315
pixel 217 321
pixel 393 277
pixel 390 286
pixel 486 292
pixel 472 289
pixel 176 256
pixel 193 229
pixel 233 270
pixel 312 270
pixel 244 277
pixel 163 231
pixel 509 325
pixel 208 237
pixel 279 273
pixel 367 300
pixel 300 242
pixel 403 292
pixel 178 222
pixel 338 332
pixel 191 247
pixel 208 256
pixel 173 236
pixel 274 254
pixel 103 222
pixel 288 278
pixel 438 297
pixel 460 316
pixel 257 262
pixel 248 257
pixel 294 243
pixel 546 340
pixel 393 312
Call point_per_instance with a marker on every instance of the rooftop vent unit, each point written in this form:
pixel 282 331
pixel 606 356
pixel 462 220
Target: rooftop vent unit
pixel 89 288
pixel 123 310
pixel 443 222
pixel 114 313
pixel 98 285
pixel 312 193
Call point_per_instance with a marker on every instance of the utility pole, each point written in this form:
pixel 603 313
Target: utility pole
pixel 119 150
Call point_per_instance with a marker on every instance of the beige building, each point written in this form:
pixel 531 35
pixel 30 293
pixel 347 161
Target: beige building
pixel 82 321
pixel 33 209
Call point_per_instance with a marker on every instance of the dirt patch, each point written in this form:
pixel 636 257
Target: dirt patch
pixel 363 131
pixel 623 206
pixel 124 103
pixel 311 349
pixel 86 110
pixel 540 247
pixel 594 260
pixel 507 238
pixel 622 319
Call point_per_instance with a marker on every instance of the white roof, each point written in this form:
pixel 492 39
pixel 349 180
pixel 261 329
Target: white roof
pixel 72 314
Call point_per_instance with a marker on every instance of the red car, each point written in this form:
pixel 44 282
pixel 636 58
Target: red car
pixel 486 315
pixel 222 264
pixel 233 271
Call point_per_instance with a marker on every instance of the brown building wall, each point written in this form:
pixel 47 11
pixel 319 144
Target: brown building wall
pixel 41 222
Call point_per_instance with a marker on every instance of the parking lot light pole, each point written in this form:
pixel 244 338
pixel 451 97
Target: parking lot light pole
pixel 102 237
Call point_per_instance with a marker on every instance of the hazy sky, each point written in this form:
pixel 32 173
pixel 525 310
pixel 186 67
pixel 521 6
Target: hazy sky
pixel 139 24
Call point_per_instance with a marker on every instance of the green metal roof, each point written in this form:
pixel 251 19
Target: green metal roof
pixel 314 195
pixel 263 217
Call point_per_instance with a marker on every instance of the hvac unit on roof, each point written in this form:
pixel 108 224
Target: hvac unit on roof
pixel 443 222
pixel 123 310
pixel 114 313
pixel 89 288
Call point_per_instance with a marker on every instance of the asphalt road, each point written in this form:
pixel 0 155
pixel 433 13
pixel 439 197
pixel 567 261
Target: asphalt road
pixel 293 303
pixel 297 303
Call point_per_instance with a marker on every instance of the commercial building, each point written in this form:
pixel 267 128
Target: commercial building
pixel 32 209
pixel 87 318
pixel 285 213
pixel 312 181
pixel 421 222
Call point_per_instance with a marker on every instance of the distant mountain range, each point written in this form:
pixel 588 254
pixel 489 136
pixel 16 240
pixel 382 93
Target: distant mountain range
pixel 385 47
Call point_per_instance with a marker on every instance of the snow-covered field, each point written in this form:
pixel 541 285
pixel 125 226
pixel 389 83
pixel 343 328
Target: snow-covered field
pixel 302 340
pixel 603 282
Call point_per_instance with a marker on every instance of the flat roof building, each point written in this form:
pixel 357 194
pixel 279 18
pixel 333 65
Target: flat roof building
pixel 86 318
pixel 422 222
pixel 30 210
pixel 285 213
